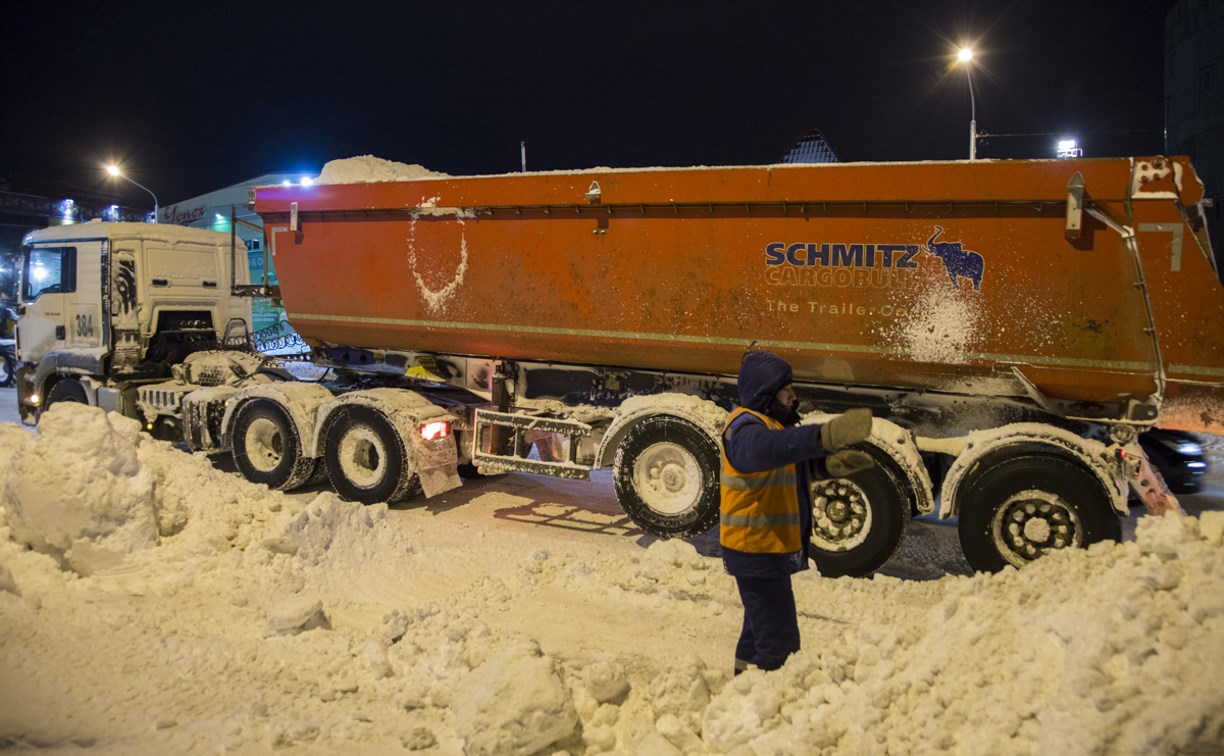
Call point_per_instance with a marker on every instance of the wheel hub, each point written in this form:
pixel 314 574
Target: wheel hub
pixel 667 478
pixel 264 445
pixel 841 515
pixel 1032 523
pixel 361 457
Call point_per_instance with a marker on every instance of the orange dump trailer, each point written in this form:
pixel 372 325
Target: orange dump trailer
pixel 1007 321
pixel 1086 284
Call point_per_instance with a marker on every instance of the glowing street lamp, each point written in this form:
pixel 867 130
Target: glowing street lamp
pixel 113 170
pixel 1068 147
pixel 965 55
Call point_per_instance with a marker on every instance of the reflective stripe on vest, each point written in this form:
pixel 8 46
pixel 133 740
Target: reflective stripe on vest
pixel 759 512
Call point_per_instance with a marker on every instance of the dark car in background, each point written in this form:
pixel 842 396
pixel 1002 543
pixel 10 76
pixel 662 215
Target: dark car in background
pixel 1178 456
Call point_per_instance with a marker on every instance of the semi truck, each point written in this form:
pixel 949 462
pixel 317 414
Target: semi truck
pixel 1013 326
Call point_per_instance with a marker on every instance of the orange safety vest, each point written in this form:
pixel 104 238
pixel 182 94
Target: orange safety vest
pixel 759 513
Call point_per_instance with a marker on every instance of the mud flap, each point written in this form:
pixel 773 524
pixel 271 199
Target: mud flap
pixel 1148 484
pixel 436 461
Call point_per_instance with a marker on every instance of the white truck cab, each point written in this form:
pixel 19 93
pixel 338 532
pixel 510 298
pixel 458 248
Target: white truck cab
pixel 104 308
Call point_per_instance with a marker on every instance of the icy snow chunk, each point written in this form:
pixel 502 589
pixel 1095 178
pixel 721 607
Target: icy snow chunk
pixel 79 492
pixel 682 691
pixel 750 706
pixel 295 615
pixel 605 680
pixel 1211 526
pixel 7 582
pixel 514 703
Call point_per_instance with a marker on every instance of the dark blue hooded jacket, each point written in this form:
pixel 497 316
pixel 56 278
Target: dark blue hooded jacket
pixel 752 447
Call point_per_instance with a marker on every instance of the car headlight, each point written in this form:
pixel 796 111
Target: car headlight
pixel 1189 448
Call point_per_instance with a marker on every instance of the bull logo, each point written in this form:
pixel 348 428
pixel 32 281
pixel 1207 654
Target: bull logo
pixel 960 263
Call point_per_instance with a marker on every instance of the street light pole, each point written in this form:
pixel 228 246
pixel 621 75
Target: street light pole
pixel 114 171
pixel 965 55
pixel 972 116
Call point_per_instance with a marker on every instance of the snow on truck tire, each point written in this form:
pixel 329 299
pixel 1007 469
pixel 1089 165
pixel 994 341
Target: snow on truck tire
pixel 367 460
pixel 666 475
pixel 1028 503
pixel 858 522
pixel 267 448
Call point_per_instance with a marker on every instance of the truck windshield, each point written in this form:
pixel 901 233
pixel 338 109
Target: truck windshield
pixel 47 270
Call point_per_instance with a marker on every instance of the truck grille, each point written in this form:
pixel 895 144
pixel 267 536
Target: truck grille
pixel 163 400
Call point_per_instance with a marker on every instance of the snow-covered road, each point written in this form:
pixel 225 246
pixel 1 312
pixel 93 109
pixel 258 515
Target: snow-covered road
pixel 176 608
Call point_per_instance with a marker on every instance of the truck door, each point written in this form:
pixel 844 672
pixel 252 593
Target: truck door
pixel 84 305
pixel 48 279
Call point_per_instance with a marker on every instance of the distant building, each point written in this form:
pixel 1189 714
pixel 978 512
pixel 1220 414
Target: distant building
pixel 219 209
pixel 1194 99
pixel 812 148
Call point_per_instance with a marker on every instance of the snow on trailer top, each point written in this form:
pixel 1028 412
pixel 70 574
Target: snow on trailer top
pixel 1147 174
pixel 368 169
pixel 1016 184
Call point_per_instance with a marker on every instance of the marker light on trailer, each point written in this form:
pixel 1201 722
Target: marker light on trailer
pixel 435 430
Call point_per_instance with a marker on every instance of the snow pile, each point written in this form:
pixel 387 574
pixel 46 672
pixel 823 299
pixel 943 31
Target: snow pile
pixel 78 491
pixel 227 617
pixel 1117 650
pixel 368 169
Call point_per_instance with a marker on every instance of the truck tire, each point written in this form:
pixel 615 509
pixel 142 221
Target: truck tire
pixel 666 477
pixel 366 459
pixel 858 522
pixel 8 366
pixel 1024 506
pixel 65 390
pixel 266 447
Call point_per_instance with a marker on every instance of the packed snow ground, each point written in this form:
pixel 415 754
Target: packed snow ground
pixel 171 607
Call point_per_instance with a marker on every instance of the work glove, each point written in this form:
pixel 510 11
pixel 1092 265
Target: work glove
pixel 847 429
pixel 847 462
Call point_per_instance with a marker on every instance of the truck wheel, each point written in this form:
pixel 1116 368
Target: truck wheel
pixel 366 459
pixel 858 522
pixel 267 449
pixel 666 477
pixel 66 390
pixel 1023 507
pixel 8 367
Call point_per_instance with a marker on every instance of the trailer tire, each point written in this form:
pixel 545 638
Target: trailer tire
pixel 65 390
pixel 266 447
pixel 1024 506
pixel 858 521
pixel 666 474
pixel 366 459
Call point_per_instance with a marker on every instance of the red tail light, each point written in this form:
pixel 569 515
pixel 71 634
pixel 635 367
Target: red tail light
pixel 433 431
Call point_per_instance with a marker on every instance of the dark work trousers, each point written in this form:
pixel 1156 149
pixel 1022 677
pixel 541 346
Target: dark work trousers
pixel 771 627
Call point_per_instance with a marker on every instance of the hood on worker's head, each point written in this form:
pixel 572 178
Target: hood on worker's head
pixel 762 374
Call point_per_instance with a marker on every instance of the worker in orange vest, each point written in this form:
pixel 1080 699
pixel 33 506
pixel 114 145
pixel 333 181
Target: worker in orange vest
pixel 769 461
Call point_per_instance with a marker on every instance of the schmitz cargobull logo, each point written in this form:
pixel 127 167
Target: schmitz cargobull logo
pixel 865 264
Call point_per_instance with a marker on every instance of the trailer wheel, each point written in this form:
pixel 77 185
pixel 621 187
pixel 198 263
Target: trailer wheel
pixel 1023 507
pixel 66 390
pixel 666 477
pixel 858 522
pixel 267 449
pixel 366 459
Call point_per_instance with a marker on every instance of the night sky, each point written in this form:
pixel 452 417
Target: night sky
pixel 194 97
